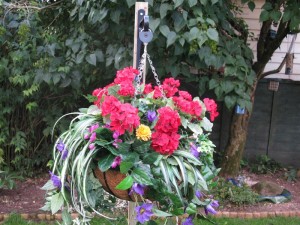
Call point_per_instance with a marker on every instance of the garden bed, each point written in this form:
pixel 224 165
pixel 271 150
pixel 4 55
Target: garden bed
pixel 29 198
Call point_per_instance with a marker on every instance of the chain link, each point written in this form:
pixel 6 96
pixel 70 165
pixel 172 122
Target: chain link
pixel 143 61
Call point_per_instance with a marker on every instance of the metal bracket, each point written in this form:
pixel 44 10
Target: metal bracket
pixel 144 34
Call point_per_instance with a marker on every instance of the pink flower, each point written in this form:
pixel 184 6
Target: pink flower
pixel 211 107
pixel 126 75
pixel 165 143
pixel 117 161
pixel 125 118
pixel 170 86
pixel 110 105
pixel 148 89
pixel 93 137
pixel 126 89
pixel 168 120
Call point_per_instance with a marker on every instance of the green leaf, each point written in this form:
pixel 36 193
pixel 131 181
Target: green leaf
pixel 227 86
pixel 113 90
pixel 66 217
pixel 203 2
pixel 154 23
pixel 214 1
pixel 213 83
pixel 275 15
pixel 141 177
pixel 105 162
pixel 267 6
pixel 115 16
pixel 230 101
pixel 192 2
pixel 251 5
pixel 57 202
pixel 178 3
pixel 164 9
pixel 206 124
pixel 213 34
pixel 196 128
pixel 264 16
pixel 164 29
pixel 48 186
pixel 194 33
pixel 160 213
pixel 126 166
pixel 191 209
pixel 91 59
pixel 130 2
pixel 125 184
pixel 150 158
pixel 171 38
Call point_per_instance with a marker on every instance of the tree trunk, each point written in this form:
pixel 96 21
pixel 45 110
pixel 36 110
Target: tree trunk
pixel 234 150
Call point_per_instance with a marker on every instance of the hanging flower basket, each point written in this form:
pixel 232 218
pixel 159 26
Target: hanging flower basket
pixel 109 180
pixel 143 143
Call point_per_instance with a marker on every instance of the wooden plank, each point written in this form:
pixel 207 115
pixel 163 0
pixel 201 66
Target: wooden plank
pixel 138 6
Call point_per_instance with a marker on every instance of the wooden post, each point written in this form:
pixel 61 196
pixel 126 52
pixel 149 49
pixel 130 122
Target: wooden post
pixel 138 6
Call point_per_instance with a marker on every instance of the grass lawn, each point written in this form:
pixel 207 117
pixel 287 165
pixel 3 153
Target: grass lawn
pixel 17 220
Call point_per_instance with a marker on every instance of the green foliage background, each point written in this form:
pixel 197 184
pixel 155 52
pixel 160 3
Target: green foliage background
pixel 53 53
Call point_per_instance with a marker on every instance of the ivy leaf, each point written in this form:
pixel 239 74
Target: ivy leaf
pixel 105 163
pixel 213 34
pixel 251 5
pixel 115 16
pixel 178 3
pixel 192 2
pixel 125 184
pixel 275 15
pixel 203 2
pixel 264 16
pixel 194 33
pixel 91 59
pixel 267 6
pixel 57 202
pixel 171 38
pixel 130 3
pixel 164 29
pixel 164 9
pixel 154 24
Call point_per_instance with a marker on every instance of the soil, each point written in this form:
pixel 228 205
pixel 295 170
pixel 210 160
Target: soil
pixel 28 197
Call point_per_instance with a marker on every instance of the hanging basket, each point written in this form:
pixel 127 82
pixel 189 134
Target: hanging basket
pixel 109 180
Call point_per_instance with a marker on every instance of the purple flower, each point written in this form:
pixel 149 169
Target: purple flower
pixel 93 137
pixel 199 194
pixel 137 188
pixel 55 180
pixel 144 212
pixel 116 162
pixel 116 135
pixel 210 208
pixel 116 141
pixel 151 116
pixel 65 154
pixel 86 136
pixel 188 221
pixel 194 150
pixel 92 146
pixel 215 204
pixel 60 146
pixel 93 128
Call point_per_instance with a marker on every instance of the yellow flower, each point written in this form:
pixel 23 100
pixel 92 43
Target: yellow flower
pixel 143 132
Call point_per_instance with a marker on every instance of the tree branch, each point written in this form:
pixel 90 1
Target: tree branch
pixel 274 71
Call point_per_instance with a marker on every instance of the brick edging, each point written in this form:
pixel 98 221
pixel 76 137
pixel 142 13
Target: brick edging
pixel 247 215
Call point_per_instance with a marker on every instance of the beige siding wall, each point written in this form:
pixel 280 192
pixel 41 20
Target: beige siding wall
pixel 252 19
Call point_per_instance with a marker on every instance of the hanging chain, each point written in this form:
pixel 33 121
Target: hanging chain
pixel 141 69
